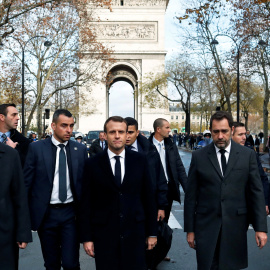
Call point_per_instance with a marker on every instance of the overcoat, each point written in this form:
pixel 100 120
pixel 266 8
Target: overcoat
pixel 14 213
pixel 223 205
pixel 118 218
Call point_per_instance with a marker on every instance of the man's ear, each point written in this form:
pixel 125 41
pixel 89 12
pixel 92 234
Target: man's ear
pixel 233 128
pixel 138 132
pixel 2 117
pixel 53 126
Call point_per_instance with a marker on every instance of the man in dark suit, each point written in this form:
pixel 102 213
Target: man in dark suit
pixel 137 142
pixel 98 145
pixel 172 164
pixel 15 229
pixel 223 181
pixel 9 118
pixel 118 215
pixel 53 173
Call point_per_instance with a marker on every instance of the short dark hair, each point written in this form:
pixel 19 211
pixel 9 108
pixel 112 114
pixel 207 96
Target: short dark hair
pixel 220 115
pixel 59 112
pixel 114 119
pixel 132 122
pixel 3 108
pixel 158 123
pixel 238 124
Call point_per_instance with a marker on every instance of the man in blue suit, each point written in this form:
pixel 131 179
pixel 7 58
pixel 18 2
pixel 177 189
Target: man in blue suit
pixel 53 172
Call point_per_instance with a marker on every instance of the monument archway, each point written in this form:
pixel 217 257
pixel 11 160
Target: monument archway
pixel 126 73
pixel 135 31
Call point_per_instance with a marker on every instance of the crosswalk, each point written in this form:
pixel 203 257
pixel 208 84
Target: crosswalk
pixel 174 224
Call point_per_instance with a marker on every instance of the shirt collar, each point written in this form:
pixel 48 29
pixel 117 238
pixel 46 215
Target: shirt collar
pixel 227 149
pixel 56 142
pixel 7 133
pixel 156 142
pixel 112 155
pixel 135 145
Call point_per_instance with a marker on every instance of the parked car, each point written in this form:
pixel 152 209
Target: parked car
pixel 91 136
pixel 145 133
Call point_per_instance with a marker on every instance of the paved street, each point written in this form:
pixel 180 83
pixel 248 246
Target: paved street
pixel 183 258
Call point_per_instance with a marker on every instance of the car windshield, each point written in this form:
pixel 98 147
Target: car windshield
pixel 93 135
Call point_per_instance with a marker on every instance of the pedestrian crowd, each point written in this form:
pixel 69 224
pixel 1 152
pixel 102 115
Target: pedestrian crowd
pixel 115 201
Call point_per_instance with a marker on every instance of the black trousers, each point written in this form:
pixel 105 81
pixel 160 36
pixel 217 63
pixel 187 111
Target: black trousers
pixel 59 239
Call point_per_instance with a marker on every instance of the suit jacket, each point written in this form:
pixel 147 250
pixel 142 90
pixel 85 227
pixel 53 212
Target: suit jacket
pixel 221 205
pixel 155 169
pixel 95 148
pixel 14 213
pixel 22 146
pixel 175 169
pixel 39 175
pixel 117 219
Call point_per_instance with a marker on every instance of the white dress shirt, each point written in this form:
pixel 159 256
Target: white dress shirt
pixel 162 153
pixel 134 146
pixel 100 143
pixel 113 161
pixel 55 192
pixel 227 154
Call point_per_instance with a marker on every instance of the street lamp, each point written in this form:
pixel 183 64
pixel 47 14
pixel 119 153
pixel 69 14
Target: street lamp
pixel 23 46
pixel 238 46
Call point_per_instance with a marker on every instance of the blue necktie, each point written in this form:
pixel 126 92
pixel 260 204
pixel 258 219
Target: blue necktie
pixel 62 174
pixel 117 170
pixel 4 137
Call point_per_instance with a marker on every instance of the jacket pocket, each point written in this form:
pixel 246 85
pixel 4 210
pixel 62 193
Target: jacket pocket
pixel 201 210
pixel 242 211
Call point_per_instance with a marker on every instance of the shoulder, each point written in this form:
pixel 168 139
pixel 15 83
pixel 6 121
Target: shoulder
pixel 7 149
pixel 16 136
pixel 135 155
pixel 79 146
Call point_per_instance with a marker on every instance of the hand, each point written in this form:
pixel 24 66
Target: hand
pixel 191 239
pixel 160 215
pixel 261 239
pixel 267 210
pixel 10 143
pixel 89 248
pixel 151 242
pixel 22 245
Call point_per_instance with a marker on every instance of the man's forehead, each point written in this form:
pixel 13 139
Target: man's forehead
pixel 131 128
pixel 11 109
pixel 220 124
pixel 240 130
pixel 62 119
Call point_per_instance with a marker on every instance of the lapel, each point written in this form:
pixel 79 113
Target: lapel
pixel 212 155
pixel 2 150
pixel 233 158
pixel 47 156
pixel 128 166
pixel 107 169
pixel 72 158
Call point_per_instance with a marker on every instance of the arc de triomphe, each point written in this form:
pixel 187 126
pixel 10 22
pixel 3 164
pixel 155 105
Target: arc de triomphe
pixel 135 31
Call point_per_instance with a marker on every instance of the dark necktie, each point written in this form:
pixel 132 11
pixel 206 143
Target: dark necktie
pixel 102 145
pixel 62 174
pixel 117 170
pixel 223 160
pixel 4 137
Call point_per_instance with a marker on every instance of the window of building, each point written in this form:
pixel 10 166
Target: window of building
pixel 198 117
pixel 193 117
pixel 172 117
pixel 122 2
pixel 176 117
pixel 183 117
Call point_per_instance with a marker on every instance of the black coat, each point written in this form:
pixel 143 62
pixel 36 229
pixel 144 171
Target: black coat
pixel 39 175
pixel 14 213
pixel 95 148
pixel 175 169
pixel 156 170
pixel 215 204
pixel 118 219
pixel 22 146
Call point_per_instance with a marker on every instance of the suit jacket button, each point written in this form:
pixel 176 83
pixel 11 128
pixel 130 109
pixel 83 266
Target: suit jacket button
pixel 120 193
pixel 121 236
pixel 120 215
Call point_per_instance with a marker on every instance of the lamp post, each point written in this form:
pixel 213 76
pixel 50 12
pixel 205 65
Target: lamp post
pixel 238 47
pixel 23 46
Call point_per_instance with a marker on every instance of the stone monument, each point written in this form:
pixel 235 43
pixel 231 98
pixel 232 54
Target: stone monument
pixel 134 29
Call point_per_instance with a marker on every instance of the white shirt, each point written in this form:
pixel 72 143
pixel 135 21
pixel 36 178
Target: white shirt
pixel 100 143
pixel 162 155
pixel 227 154
pixel 134 146
pixel 113 161
pixel 55 192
